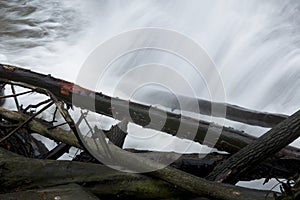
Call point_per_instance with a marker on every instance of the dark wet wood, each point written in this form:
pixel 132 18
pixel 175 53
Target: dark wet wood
pixel 19 173
pixel 267 145
pixel 63 192
pixel 230 140
pixel 2 88
pixel 233 112
pixel 199 165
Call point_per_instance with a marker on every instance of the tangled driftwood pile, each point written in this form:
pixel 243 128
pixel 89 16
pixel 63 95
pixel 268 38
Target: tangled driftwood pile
pixel 32 172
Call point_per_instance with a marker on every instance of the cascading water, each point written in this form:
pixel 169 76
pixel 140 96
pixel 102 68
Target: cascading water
pixel 254 44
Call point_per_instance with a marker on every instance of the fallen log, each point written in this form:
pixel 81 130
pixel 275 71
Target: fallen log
pixel 19 173
pixel 233 112
pixel 228 139
pixel 194 164
pixel 272 167
pixel 66 192
pixel 208 189
pixel 201 165
pixel 247 158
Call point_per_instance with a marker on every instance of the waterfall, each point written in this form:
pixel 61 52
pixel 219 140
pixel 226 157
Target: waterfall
pixel 255 45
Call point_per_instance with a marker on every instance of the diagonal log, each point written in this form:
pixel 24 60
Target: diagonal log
pixel 230 140
pixel 247 158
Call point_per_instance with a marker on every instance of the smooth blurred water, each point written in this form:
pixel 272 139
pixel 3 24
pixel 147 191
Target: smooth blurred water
pixel 254 44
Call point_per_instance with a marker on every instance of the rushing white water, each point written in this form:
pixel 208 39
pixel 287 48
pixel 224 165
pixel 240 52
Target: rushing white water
pixel 254 44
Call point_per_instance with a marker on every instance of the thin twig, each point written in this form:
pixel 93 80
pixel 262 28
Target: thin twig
pixel 37 105
pixel 54 115
pixel 63 112
pixel 25 122
pixel 15 97
pixel 53 127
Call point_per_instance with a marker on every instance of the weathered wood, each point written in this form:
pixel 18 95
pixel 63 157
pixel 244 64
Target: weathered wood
pixel 172 176
pixel 64 192
pixel 208 189
pixel 201 165
pixel 230 140
pixel 273 167
pixel 233 112
pixel 25 122
pixel 2 88
pixel 19 173
pixel 43 128
pixel 117 133
pixel 56 152
pixel 270 143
